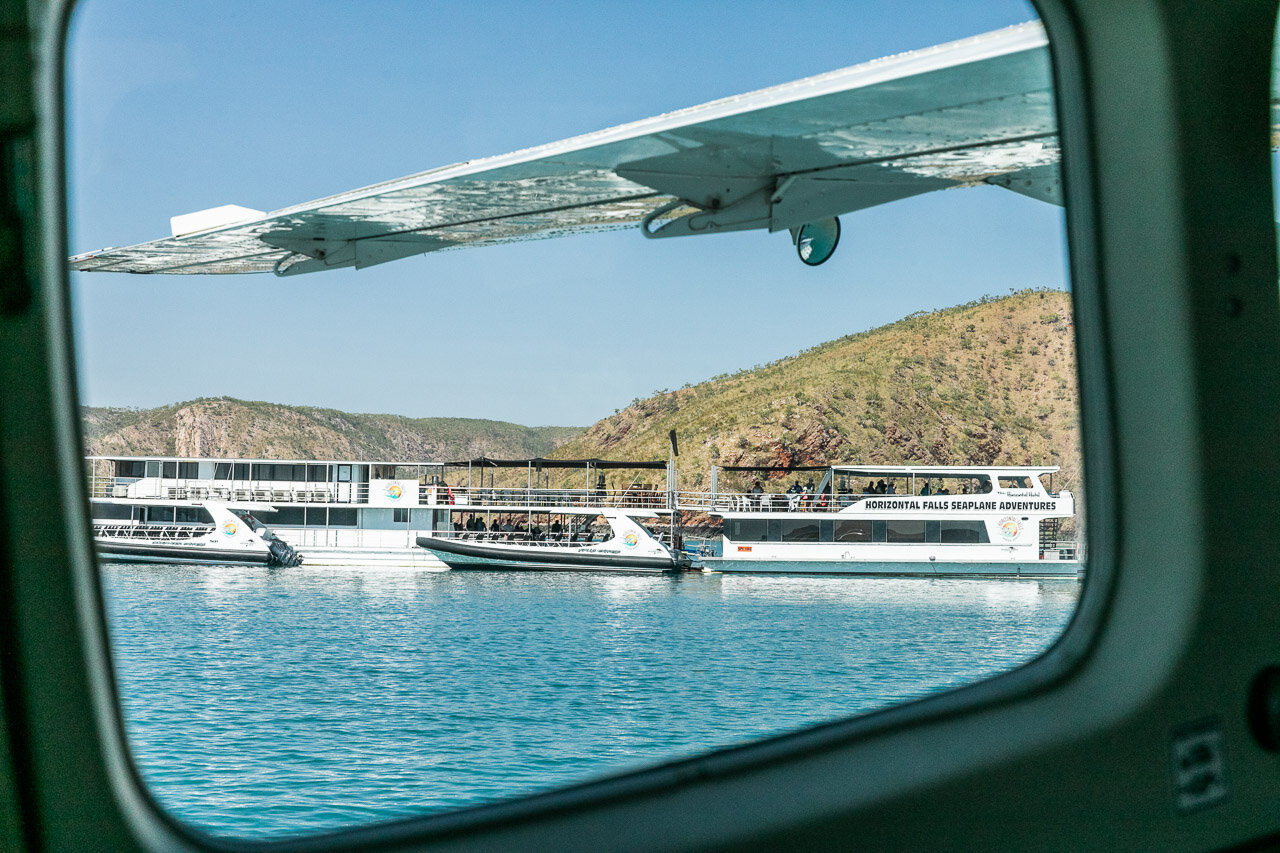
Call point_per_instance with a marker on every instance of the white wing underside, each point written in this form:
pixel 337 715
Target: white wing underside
pixel 959 114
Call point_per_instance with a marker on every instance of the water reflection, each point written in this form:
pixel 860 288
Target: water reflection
pixel 261 702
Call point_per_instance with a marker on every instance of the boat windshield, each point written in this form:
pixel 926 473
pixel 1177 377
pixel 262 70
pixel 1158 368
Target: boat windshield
pixel 248 518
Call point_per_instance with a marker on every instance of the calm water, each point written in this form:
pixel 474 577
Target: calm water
pixel 263 702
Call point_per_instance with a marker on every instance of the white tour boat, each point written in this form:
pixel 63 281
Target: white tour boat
pixel 627 547
pixel 905 520
pixel 194 532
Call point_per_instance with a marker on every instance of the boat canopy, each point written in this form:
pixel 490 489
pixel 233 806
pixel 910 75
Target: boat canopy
pixel 539 462
pixel 781 468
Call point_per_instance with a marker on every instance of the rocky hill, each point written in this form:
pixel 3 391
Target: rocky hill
pixel 226 427
pixel 990 382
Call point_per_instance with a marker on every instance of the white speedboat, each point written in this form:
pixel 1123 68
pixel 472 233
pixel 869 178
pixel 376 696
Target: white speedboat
pixel 627 547
pixel 211 532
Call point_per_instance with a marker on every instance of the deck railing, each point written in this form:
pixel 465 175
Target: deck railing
pixel 524 537
pixel 222 490
pixel 764 502
pixel 429 495
pixel 151 531
pixel 646 497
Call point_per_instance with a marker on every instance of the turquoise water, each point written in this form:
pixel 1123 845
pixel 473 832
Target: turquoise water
pixel 269 702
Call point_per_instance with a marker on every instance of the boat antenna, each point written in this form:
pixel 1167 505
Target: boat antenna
pixel 673 499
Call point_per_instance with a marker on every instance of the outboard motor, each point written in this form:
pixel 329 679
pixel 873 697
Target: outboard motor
pixel 283 554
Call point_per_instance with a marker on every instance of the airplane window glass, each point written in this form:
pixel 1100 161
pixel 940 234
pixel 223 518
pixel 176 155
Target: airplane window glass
pixel 726 405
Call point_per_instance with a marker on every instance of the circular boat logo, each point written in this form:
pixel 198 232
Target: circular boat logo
pixel 394 492
pixel 1010 528
pixel 229 528
pixel 630 539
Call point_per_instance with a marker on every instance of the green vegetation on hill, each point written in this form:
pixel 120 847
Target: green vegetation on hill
pixel 990 382
pixel 226 427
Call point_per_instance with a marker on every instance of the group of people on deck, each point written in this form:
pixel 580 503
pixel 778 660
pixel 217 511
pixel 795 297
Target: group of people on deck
pixel 805 498
pixel 797 496
pixel 880 488
pixel 513 527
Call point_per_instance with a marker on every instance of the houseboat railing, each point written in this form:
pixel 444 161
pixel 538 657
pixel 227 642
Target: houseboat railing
pixel 764 502
pixel 646 496
pixel 151 531
pixel 525 537
pixel 702 501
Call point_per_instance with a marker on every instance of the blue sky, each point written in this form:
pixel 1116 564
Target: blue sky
pixel 176 107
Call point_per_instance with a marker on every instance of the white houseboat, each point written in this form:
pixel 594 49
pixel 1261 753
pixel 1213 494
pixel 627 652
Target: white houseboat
pixel 896 520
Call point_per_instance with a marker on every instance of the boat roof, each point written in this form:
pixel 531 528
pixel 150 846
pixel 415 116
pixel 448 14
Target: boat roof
pixel 949 469
pixel 902 469
pixel 478 462
pixel 250 506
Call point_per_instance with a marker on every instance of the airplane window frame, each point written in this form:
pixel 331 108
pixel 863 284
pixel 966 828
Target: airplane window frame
pixel 1055 663
pixel 75 600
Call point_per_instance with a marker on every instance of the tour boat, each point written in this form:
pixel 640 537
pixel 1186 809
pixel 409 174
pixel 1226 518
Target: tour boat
pixel 905 520
pixel 627 547
pixel 195 532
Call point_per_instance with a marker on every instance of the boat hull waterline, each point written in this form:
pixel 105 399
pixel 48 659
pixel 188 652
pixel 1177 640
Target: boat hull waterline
pixel 151 552
pixel 1038 569
pixel 477 555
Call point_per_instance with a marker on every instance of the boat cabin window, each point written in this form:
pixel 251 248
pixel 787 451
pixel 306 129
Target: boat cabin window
pixel 858 530
pixel 317 473
pixel 963 531
pixel 131 468
pixel 344 473
pixel 799 531
pixel 947 531
pixel 288 515
pixel 342 516
pixel 279 473
pixel 112 512
pixel 747 529
pixel 1019 482
pixel 192 515
pixel 247 517
pixel 169 470
pixel 904 530
pixel 159 514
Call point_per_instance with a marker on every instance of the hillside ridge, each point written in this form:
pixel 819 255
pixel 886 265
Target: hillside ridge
pixel 230 427
pixel 989 382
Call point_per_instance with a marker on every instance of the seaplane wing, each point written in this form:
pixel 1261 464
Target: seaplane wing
pixel 791 157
